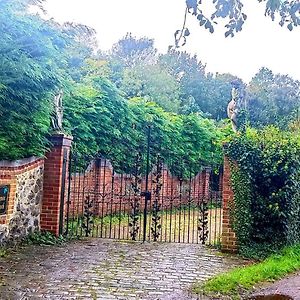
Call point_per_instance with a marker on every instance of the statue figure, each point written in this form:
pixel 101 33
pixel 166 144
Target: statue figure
pixel 57 115
pixel 237 103
pixel 232 109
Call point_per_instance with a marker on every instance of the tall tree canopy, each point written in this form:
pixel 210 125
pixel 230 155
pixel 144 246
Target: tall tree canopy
pixel 110 98
pixel 38 58
pixel 273 99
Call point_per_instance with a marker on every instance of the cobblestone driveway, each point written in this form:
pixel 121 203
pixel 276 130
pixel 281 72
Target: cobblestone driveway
pixel 106 269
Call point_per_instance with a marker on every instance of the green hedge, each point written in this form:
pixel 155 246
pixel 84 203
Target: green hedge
pixel 266 184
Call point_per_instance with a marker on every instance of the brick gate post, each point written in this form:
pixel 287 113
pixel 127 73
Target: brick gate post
pixel 55 175
pixel 229 243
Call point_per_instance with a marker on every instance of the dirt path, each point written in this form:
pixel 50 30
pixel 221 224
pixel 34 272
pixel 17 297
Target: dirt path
pixel 289 287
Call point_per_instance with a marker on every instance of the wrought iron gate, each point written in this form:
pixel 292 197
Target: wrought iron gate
pixel 153 199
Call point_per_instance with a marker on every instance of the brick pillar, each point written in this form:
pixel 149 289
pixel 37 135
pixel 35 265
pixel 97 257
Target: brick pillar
pixel 55 174
pixel 229 243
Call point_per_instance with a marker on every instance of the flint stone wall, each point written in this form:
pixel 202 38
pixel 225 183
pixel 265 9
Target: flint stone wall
pixel 25 180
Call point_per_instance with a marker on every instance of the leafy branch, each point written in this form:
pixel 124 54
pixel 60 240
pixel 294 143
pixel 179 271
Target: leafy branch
pixel 288 13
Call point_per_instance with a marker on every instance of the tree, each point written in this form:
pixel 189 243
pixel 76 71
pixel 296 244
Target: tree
pixel 127 53
pixel 214 94
pixel 184 68
pixel 182 65
pixel 152 83
pixel 288 12
pixel 272 98
pixel 99 119
pixel 199 92
pixel 131 51
pixel 182 140
pixel 35 63
pixel 39 57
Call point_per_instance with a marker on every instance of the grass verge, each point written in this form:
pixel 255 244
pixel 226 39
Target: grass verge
pixel 243 279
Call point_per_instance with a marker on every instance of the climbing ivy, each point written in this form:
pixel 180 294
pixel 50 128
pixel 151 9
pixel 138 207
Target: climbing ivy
pixel 265 177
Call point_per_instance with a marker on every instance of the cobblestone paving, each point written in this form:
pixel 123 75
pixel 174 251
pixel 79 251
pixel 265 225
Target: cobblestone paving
pixel 106 269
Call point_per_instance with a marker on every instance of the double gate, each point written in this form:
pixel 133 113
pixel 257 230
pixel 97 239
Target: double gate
pixel 151 199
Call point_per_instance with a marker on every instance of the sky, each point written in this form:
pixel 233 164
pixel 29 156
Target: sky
pixel 262 43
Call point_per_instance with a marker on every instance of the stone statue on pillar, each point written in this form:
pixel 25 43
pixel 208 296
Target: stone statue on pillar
pixel 232 109
pixel 57 114
pixel 234 106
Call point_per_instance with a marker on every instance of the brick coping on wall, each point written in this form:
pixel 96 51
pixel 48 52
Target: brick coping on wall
pixel 20 164
pixel 9 169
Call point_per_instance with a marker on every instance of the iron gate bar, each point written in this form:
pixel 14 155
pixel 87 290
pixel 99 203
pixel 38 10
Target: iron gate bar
pixel 150 204
pixel 195 203
pixel 128 215
pixel 157 205
pixel 97 192
pixel 111 202
pixel 198 207
pixel 69 193
pixel 147 193
pixel 163 198
pixel 180 205
pixel 63 191
pixel 164 202
pixel 189 204
pixel 103 197
pixel 120 205
pixel 80 206
pixel 172 198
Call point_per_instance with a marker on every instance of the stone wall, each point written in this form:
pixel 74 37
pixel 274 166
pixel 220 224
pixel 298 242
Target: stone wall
pixel 25 181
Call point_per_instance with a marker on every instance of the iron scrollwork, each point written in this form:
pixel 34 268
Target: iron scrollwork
pixel 203 222
pixel 157 181
pixel 135 202
pixel 87 219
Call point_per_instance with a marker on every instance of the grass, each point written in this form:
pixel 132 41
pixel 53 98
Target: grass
pixel 244 279
pixel 177 225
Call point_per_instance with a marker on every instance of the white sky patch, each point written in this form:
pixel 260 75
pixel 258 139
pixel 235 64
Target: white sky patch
pixel 261 42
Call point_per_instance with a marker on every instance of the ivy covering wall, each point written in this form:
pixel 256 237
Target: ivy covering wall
pixel 265 167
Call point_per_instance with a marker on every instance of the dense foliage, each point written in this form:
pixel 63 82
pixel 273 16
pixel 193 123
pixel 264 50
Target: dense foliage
pixel 266 183
pixel 109 100
pixel 112 98
pixel 273 99
pixel 35 63
pixel 103 123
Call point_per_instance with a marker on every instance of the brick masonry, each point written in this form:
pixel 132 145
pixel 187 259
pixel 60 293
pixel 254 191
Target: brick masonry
pixel 229 242
pixel 56 159
pixel 25 181
pixel 112 192
pixel 37 190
